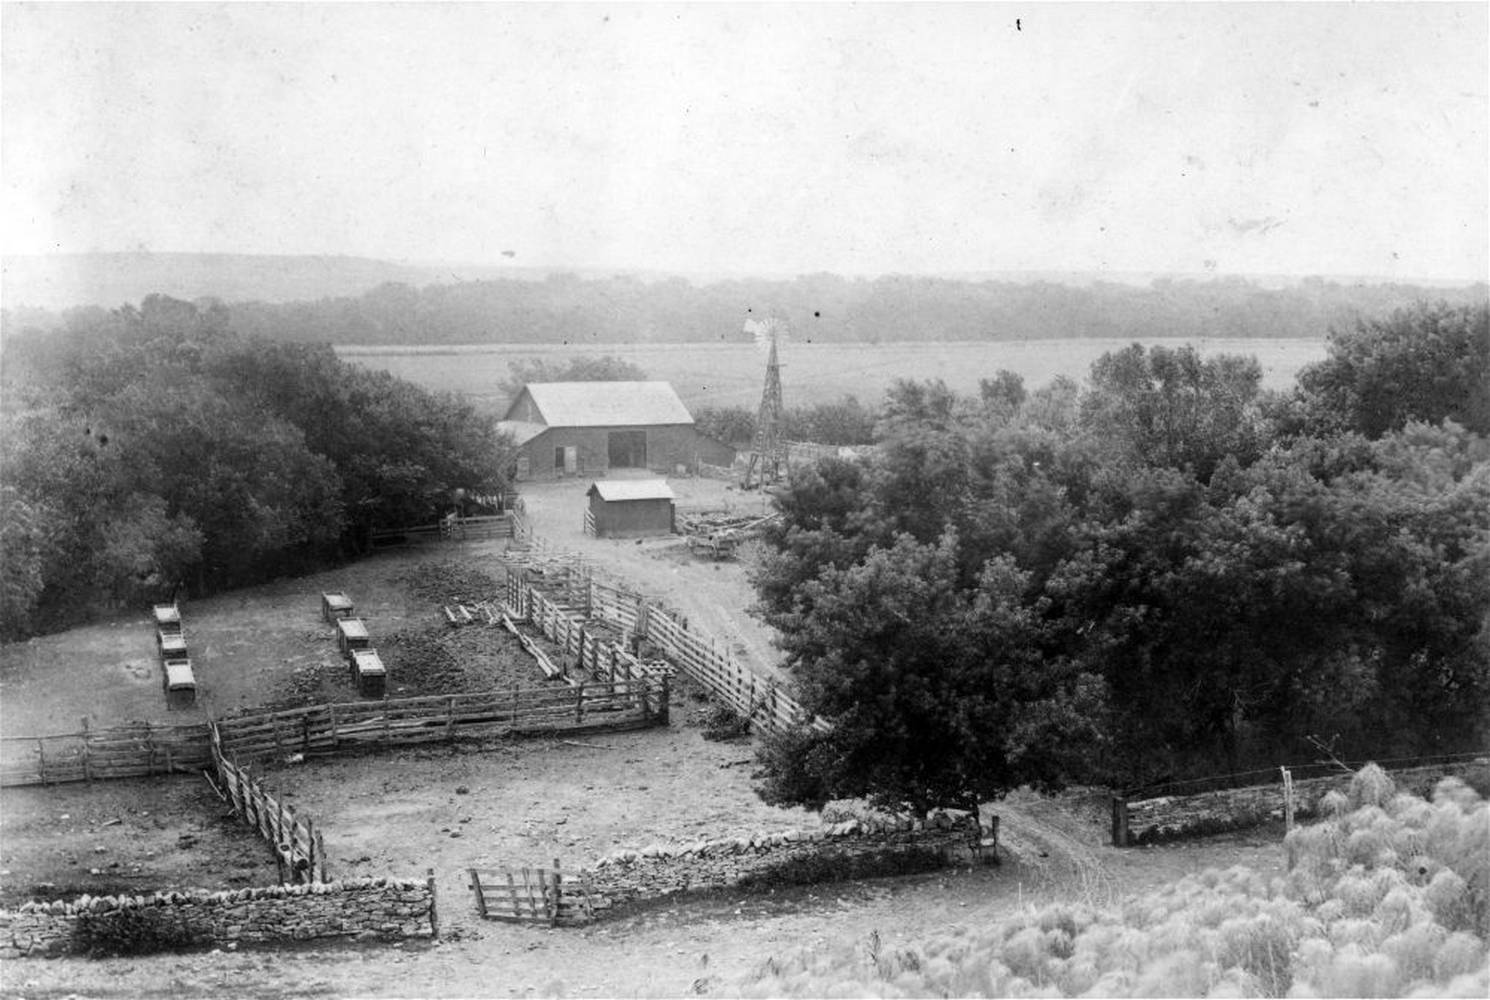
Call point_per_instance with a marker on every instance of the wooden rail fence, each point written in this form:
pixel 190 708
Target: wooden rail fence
pixel 560 596
pixel 136 750
pixel 298 849
pixel 147 749
pixel 455 529
pixel 323 729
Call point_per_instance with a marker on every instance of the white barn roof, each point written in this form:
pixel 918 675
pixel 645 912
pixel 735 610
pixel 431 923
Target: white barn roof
pixel 522 432
pixel 632 489
pixel 607 404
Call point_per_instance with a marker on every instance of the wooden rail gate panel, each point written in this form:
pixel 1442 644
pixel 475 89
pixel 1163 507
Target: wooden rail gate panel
pixel 531 896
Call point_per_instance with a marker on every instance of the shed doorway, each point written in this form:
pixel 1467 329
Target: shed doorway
pixel 627 449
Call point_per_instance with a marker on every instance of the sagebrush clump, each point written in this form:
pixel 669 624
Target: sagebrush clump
pixel 1389 897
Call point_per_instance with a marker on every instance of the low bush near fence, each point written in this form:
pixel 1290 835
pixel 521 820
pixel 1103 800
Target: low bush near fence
pixel 1387 898
pixel 1167 818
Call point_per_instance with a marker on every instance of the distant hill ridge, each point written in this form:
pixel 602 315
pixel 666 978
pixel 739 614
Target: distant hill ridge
pixel 61 281
pixel 357 300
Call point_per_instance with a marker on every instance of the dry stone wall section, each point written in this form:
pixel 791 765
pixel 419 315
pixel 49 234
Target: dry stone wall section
pixel 1173 817
pixel 850 849
pixel 368 909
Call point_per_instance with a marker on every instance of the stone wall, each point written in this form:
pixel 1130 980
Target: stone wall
pixel 1173 817
pixel 855 848
pixel 365 908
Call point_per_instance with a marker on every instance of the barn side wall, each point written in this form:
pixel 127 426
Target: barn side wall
pixel 668 446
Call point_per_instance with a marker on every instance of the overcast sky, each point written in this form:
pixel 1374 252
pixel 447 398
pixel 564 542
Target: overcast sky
pixel 1248 138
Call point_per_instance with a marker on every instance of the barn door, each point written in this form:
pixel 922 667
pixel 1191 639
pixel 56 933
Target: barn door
pixel 627 449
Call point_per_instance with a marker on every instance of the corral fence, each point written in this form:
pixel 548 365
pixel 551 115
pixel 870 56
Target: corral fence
pixel 450 529
pixel 137 750
pixel 299 852
pixel 146 749
pixel 532 895
pixel 559 597
pixel 1195 807
pixel 333 728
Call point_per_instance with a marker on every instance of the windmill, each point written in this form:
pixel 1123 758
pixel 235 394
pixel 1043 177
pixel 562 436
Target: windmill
pixel 768 452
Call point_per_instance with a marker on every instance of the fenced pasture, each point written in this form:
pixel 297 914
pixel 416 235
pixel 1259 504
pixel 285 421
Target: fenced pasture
pixel 730 374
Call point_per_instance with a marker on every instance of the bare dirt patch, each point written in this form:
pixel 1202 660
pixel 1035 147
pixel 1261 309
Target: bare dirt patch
pixel 265 646
pixel 133 836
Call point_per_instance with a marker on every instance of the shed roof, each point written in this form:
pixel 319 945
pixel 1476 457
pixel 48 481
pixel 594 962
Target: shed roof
pixel 632 489
pixel 607 404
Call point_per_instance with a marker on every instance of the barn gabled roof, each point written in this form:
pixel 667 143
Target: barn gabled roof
pixel 631 489
pixel 521 431
pixel 606 404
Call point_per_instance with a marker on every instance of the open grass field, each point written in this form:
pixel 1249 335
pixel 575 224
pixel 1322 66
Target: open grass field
pixel 715 374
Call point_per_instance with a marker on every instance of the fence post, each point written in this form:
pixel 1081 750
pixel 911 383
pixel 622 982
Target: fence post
pixel 434 918
pixel 87 754
pixel 1119 820
pixel 1287 800
pixel 41 760
pixel 321 853
pixel 579 702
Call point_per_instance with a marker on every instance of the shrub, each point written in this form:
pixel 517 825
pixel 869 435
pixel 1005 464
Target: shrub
pixel 1393 924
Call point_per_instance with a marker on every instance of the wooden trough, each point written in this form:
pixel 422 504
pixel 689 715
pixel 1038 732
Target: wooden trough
pixel 179 683
pixel 336 606
pixel 369 676
pixel 351 634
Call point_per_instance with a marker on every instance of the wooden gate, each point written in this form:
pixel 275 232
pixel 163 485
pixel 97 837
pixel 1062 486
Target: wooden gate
pixel 531 896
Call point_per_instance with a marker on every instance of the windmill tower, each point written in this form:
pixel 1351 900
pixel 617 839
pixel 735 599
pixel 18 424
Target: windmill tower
pixel 768 451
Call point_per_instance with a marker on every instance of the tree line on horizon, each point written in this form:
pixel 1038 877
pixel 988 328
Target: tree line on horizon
pixel 568 309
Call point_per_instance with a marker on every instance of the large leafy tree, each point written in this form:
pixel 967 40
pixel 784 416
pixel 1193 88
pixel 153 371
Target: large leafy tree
pixel 1425 363
pixel 938 694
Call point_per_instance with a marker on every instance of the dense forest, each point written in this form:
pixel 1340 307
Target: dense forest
pixel 568 309
pixel 1163 572
pixel 155 448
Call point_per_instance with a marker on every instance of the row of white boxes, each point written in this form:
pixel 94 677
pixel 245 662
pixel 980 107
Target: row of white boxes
pixel 369 676
pixel 177 679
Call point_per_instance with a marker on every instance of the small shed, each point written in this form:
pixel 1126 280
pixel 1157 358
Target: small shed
pixel 180 684
pixel 369 676
pixel 629 508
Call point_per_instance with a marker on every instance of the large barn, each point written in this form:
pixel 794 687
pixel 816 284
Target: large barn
pixel 589 428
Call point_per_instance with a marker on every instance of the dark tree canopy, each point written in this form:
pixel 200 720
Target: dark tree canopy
pixel 1425 363
pixel 153 447
pixel 1158 574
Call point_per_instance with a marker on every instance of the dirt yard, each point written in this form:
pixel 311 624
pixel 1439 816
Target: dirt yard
pixel 714 595
pixel 498 803
pixel 267 646
pixel 131 836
